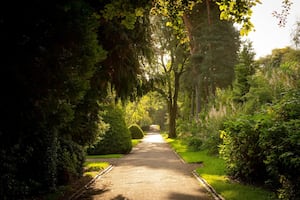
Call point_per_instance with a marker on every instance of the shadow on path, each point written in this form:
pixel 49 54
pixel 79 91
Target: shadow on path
pixel 152 171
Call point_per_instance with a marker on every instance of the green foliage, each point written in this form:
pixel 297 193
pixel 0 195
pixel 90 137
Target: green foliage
pixel 70 160
pixel 281 146
pixel 117 139
pixel 171 64
pixel 124 11
pixel 243 72
pixel 296 34
pixel 214 47
pixel 142 110
pixel 239 11
pixel 210 122
pixel 265 147
pixel 125 34
pixel 260 93
pixel 104 156
pixel 95 166
pixel 195 143
pixel 136 131
pixel 213 171
pixel 56 50
pixel 241 150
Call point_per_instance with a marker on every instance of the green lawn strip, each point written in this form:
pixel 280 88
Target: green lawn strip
pixel 176 144
pixel 213 171
pixel 104 156
pixel 135 142
pixel 92 168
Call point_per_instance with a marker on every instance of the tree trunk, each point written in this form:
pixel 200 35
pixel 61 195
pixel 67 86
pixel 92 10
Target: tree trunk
pixel 208 12
pixel 173 108
pixel 198 101
pixel 172 123
pixel 192 111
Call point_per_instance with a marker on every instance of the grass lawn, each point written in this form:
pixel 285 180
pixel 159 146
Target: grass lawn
pixel 104 156
pixel 93 168
pixel 213 171
pixel 135 142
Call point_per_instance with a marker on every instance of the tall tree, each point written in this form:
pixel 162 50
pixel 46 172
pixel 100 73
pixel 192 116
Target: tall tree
pixel 173 56
pixel 244 69
pixel 214 52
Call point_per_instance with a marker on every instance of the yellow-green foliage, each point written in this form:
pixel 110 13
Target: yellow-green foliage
pixel 91 169
pixel 95 166
pixel 117 139
pixel 136 131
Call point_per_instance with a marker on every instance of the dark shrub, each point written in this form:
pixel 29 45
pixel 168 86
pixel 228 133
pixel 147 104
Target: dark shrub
pixel 195 143
pixel 117 139
pixel 145 128
pixel 281 147
pixel 265 147
pixel 136 131
pixel 241 150
pixel 70 158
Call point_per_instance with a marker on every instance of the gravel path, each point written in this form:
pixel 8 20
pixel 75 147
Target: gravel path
pixel 152 171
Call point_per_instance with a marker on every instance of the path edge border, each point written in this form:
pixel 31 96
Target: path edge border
pixel 208 187
pixel 79 192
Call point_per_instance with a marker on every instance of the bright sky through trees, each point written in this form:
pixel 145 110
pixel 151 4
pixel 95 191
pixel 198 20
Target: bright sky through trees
pixel 268 34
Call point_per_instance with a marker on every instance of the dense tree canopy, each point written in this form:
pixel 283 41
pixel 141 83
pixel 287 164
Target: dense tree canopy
pixel 57 69
pixel 60 60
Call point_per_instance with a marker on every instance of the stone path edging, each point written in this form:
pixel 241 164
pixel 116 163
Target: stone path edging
pixel 77 194
pixel 208 187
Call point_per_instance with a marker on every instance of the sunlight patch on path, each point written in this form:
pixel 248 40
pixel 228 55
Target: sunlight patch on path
pixel 153 138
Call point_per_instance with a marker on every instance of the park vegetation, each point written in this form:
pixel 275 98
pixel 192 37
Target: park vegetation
pixel 75 74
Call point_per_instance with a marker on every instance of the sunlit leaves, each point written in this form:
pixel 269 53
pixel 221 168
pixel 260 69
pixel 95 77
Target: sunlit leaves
pixel 238 11
pixel 122 10
pixel 174 12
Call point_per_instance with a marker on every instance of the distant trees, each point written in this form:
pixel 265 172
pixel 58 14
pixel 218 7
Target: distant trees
pixel 172 60
pixel 145 110
pixel 296 35
pixel 244 69
pixel 214 46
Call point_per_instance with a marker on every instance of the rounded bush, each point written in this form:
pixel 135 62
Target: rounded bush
pixel 117 139
pixel 136 131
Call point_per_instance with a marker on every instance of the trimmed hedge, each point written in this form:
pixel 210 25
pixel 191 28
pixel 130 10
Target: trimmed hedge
pixel 117 139
pixel 136 131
